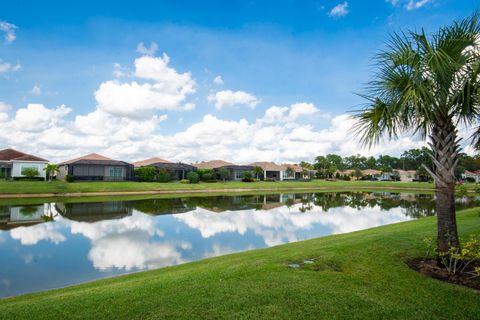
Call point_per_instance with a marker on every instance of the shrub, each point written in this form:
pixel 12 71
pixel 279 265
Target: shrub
pixel 164 175
pixel 146 174
pixel 202 172
pixel 247 176
pixel 193 177
pixel 207 176
pixel 69 178
pixel 184 181
pixel 464 261
pixel 30 172
pixel 223 174
pixel 2 175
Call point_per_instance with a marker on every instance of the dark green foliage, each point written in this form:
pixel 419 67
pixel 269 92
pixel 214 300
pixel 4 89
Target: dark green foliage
pixel 207 176
pixel 69 178
pixel 247 176
pixel 223 174
pixel 30 173
pixel 146 174
pixel 193 177
pixel 164 175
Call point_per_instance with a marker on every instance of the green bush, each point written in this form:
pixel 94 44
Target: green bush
pixel 2 175
pixel 164 175
pixel 193 177
pixel 146 174
pixel 184 181
pixel 69 178
pixel 208 176
pixel 462 191
pixel 247 176
pixel 470 179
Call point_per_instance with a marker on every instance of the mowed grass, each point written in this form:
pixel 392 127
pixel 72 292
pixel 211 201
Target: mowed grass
pixel 37 187
pixel 361 275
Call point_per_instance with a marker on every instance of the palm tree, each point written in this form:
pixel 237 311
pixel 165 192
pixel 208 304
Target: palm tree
pixel 428 84
pixel 50 170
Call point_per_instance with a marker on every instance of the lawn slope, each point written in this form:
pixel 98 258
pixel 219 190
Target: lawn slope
pixel 61 187
pixel 358 275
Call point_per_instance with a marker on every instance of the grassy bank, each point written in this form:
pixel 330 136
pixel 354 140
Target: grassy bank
pixel 357 275
pixel 60 187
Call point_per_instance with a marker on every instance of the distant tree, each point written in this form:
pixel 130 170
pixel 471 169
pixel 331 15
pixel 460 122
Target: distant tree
pixel 258 172
pixel 146 174
pixel 358 173
pixel 193 177
pixel 331 171
pixel 290 172
pixel 306 165
pixel 223 174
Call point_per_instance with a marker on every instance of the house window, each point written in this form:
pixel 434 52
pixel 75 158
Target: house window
pixel 25 167
pixel 116 172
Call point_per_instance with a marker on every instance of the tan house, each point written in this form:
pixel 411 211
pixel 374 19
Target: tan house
pixel 275 171
pixel 95 167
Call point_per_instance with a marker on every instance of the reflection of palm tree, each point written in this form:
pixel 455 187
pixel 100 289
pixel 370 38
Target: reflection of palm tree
pixel 49 216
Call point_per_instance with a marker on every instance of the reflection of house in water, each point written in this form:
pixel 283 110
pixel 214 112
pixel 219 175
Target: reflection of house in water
pixel 162 206
pixel 247 202
pixel 17 216
pixel 94 211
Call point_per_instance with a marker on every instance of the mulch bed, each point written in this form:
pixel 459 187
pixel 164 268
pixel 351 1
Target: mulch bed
pixel 435 270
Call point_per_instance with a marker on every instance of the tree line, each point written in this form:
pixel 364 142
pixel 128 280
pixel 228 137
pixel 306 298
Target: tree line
pixel 412 159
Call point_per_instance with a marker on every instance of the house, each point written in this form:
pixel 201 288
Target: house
pixel 273 171
pixel 475 175
pixel 371 172
pixel 179 170
pixel 13 164
pixel 407 175
pixel 95 167
pixel 235 172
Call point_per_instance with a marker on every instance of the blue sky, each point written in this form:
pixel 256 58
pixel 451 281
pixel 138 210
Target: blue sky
pixel 280 53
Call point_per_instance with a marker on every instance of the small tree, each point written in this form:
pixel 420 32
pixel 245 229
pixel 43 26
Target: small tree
pixel 30 173
pixel 290 172
pixel 223 174
pixel 51 170
pixel 247 176
pixel 193 177
pixel 258 171
pixel 358 173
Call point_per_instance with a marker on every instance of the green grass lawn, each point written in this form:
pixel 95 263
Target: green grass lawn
pixel 31 187
pixel 358 275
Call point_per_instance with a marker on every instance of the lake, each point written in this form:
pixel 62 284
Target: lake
pixel 51 245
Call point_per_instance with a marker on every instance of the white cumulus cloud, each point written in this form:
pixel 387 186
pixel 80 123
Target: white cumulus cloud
pixel 340 10
pixel 8 67
pixel 228 98
pixel 9 30
pixel 166 90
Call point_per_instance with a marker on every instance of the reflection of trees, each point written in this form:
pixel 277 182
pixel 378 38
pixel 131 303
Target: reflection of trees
pixel 28 210
pixel 49 215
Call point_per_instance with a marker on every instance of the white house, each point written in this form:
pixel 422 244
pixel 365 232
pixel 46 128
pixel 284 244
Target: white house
pixel 13 164
pixel 473 175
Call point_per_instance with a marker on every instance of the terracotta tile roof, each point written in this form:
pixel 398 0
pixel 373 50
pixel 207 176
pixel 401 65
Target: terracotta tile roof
pixel 213 164
pixel 90 157
pixel 150 161
pixel 295 167
pixel 367 172
pixel 269 166
pixel 11 154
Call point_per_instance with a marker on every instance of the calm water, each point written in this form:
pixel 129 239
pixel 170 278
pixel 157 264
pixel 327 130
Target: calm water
pixel 50 245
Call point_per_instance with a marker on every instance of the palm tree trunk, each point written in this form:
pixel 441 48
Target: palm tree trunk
pixel 445 148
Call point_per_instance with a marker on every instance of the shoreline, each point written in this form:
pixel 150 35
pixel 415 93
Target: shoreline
pixel 188 191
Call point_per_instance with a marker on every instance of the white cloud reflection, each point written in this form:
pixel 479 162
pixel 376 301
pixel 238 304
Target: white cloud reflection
pixel 282 225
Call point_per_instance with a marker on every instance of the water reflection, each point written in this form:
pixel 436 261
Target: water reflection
pixel 55 244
